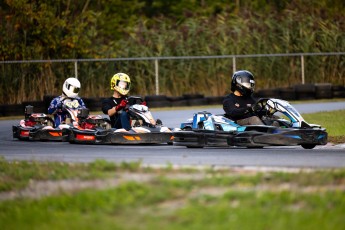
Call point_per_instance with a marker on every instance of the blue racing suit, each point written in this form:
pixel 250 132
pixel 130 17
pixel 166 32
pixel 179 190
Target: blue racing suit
pixel 56 105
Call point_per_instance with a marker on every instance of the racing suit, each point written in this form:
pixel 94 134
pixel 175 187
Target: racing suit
pixel 121 118
pixel 237 108
pixel 56 105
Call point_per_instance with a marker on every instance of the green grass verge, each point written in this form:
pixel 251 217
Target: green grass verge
pixel 333 121
pixel 168 198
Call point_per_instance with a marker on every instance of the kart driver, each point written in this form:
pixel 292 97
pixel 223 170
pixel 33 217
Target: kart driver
pixel 115 106
pixel 238 105
pixel 70 90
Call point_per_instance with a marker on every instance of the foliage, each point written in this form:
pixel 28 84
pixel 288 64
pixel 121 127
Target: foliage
pixel 64 29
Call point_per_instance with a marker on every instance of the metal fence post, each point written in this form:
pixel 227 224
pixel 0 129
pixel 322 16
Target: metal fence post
pixel 76 69
pixel 302 68
pixel 233 64
pixel 157 77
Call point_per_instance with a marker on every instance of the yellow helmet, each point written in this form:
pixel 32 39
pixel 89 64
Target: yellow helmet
pixel 121 83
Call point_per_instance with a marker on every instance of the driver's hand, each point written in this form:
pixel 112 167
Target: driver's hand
pixel 59 105
pixel 253 108
pixel 122 105
pixel 250 108
pixel 256 107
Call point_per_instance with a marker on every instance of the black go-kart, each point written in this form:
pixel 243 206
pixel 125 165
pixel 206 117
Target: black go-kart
pixel 284 126
pixel 41 127
pixel 97 130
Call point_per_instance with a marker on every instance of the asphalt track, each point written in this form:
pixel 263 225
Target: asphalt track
pixel 327 156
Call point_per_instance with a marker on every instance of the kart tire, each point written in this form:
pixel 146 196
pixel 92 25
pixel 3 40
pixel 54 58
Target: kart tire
pixel 178 101
pixel 338 94
pixel 323 90
pixel 155 101
pixel 287 93
pixel 308 146
pixel 268 93
pixel 214 100
pixel 305 91
pixel 338 91
pixel 156 98
pixel 255 147
pixel 195 147
pixel 197 101
pixel 192 96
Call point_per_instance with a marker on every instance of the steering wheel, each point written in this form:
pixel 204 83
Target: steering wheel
pixel 261 108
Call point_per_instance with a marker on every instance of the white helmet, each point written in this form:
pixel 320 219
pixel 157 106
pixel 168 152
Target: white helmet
pixel 71 87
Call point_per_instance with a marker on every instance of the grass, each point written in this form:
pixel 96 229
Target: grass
pixel 333 121
pixel 168 198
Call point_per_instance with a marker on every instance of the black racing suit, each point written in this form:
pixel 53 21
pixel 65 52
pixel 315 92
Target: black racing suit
pixel 237 109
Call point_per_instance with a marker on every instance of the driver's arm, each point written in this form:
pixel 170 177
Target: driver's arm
pixel 232 111
pixel 111 111
pixel 53 107
pixel 81 103
pixel 108 108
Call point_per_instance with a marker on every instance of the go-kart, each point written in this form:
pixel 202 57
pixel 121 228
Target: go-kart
pixel 144 128
pixel 284 126
pixel 41 127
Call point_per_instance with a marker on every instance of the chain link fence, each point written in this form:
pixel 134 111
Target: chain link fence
pixel 31 80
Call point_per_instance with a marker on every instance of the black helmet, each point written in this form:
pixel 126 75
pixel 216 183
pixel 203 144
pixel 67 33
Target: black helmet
pixel 243 81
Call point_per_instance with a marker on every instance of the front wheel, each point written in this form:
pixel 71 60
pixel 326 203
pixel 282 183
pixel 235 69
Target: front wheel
pixel 308 146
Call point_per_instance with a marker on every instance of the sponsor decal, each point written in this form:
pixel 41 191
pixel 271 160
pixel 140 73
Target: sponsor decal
pixel 132 138
pixel 85 137
pixel 24 133
pixel 55 134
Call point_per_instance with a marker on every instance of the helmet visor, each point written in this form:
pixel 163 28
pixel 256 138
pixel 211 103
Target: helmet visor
pixel 73 89
pixel 123 84
pixel 246 82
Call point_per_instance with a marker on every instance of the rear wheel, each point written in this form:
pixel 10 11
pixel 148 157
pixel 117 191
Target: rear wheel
pixel 308 146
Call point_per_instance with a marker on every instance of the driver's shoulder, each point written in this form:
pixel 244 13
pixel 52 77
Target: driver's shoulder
pixel 57 99
pixel 229 97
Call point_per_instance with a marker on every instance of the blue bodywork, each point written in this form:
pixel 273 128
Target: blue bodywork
pixel 211 122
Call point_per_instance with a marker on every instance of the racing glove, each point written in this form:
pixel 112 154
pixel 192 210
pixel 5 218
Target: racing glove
pixel 253 108
pixel 122 105
pixel 143 103
pixel 250 108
